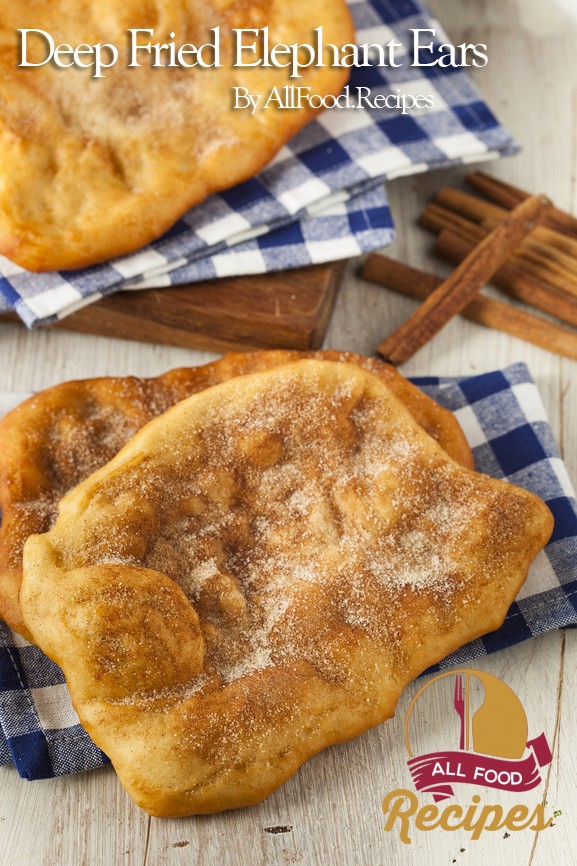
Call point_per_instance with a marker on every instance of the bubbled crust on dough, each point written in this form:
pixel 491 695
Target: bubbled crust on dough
pixel 94 169
pixel 329 548
pixel 54 440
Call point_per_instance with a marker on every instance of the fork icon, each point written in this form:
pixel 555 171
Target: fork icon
pixel 459 704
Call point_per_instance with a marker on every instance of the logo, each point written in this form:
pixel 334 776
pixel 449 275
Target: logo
pixel 487 745
pixel 492 742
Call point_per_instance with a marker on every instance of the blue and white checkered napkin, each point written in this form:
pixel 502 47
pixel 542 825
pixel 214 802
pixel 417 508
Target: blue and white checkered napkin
pixel 505 423
pixel 320 199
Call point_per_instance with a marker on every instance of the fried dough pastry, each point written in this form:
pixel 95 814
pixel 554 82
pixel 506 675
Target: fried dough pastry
pixel 56 439
pixel 93 168
pixel 260 572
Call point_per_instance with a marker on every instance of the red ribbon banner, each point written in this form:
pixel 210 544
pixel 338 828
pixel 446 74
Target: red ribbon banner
pixel 434 773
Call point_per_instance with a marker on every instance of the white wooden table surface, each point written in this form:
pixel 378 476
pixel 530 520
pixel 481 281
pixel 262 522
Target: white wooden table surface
pixel 333 804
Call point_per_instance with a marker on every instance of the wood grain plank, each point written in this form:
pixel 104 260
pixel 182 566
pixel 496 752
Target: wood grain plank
pixel 290 309
pixel 80 820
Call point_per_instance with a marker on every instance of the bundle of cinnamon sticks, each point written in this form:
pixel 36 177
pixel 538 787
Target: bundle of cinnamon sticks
pixel 520 243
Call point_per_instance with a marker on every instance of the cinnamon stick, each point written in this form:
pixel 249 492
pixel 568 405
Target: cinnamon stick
pixel 468 206
pixel 454 293
pixel 510 196
pixel 512 280
pixel 418 284
pixel 537 250
pixel 436 218
pixel 532 258
pixel 477 210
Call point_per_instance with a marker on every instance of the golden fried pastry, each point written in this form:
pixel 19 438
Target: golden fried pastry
pixel 96 167
pixel 260 572
pixel 57 438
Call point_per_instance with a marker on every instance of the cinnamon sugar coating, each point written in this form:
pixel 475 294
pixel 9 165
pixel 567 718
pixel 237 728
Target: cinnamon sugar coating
pixel 54 440
pixel 258 574
pixel 92 169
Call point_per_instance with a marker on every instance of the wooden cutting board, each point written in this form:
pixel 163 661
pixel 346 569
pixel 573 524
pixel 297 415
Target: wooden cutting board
pixel 290 309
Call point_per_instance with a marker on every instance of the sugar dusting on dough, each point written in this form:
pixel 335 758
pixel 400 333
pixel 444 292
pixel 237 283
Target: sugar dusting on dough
pixel 316 551
pixel 95 168
pixel 59 437
pixel 310 506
